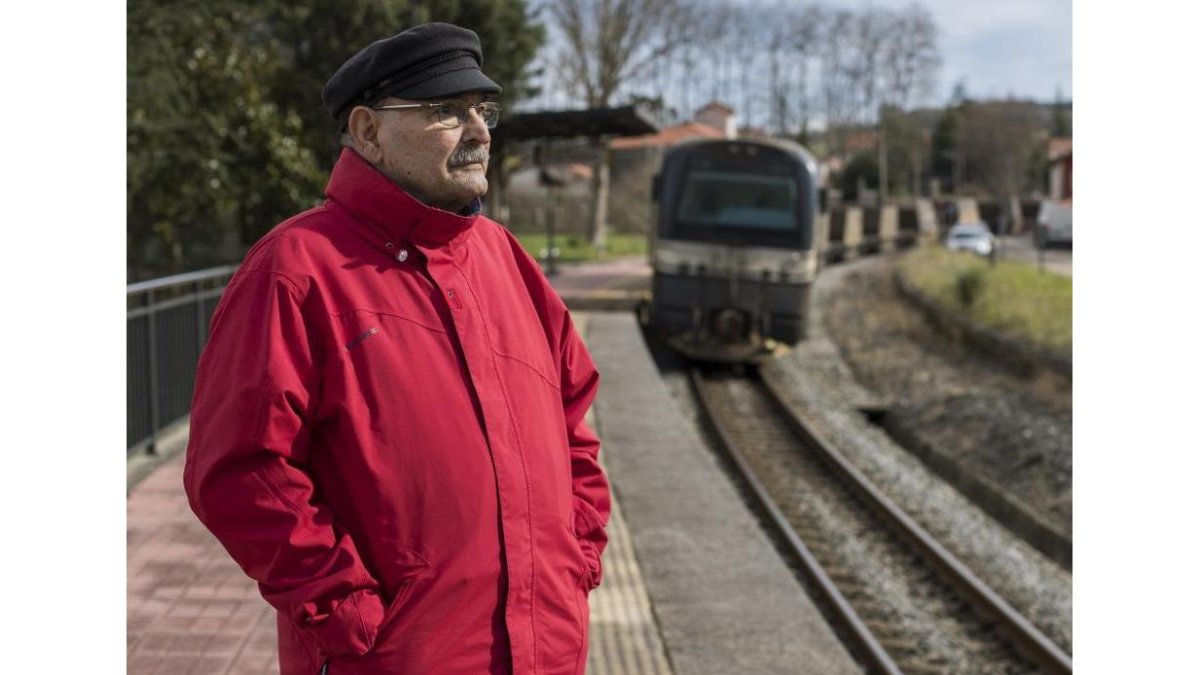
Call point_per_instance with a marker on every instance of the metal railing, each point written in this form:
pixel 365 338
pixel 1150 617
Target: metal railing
pixel 166 327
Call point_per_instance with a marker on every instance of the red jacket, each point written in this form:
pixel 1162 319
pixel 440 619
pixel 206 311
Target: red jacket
pixel 387 434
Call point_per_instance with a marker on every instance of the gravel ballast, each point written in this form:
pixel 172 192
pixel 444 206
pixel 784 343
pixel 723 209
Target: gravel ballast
pixel 866 346
pixel 1014 431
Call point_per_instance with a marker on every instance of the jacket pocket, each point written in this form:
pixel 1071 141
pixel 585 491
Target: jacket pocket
pixel 397 603
pixel 351 628
pixel 411 568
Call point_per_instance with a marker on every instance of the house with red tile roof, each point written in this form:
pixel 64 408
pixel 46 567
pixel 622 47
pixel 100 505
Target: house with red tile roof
pixel 667 137
pixel 1058 151
pixel 633 162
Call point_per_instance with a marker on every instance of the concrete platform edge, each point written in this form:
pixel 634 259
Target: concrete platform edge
pixel 170 442
pixel 724 600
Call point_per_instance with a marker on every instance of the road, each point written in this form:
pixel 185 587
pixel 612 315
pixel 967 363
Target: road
pixel 1020 247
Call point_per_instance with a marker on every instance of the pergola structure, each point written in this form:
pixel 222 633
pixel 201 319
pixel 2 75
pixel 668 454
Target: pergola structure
pixel 547 126
pixel 595 123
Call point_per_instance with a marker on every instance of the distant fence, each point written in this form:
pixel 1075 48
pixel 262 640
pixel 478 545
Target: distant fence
pixel 166 327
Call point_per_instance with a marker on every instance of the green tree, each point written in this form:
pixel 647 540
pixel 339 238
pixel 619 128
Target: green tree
pixel 997 140
pixel 1060 124
pixel 226 134
pixel 318 38
pixel 862 169
pixel 905 153
pixel 944 147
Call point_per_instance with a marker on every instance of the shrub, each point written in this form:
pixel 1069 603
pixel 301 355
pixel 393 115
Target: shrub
pixel 969 283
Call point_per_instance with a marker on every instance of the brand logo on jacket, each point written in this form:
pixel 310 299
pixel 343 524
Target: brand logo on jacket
pixel 359 340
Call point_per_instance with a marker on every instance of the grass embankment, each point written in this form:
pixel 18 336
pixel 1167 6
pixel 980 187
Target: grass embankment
pixel 1011 297
pixel 574 248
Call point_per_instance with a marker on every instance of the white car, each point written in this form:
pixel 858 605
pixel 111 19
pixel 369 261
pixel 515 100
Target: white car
pixel 971 236
pixel 1053 224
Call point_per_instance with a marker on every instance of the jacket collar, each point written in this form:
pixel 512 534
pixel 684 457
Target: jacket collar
pixel 390 211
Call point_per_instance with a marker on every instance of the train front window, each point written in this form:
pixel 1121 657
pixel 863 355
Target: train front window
pixel 716 198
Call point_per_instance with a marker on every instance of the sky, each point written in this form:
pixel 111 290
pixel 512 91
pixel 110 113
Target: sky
pixel 998 47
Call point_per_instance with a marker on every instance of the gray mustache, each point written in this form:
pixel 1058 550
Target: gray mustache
pixel 468 154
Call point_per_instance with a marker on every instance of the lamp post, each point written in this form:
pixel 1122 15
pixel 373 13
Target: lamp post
pixel 552 183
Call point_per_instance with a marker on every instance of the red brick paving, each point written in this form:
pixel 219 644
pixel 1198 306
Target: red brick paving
pixel 622 274
pixel 191 609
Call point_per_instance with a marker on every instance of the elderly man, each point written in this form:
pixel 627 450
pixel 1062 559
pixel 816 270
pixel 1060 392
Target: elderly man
pixel 387 430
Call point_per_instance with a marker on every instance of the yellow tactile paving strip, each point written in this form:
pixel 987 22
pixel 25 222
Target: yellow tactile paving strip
pixel 624 639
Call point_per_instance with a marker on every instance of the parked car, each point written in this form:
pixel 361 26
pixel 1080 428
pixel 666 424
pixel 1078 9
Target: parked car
pixel 971 236
pixel 1053 224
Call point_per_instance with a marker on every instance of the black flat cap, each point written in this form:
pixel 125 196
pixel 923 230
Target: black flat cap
pixel 429 61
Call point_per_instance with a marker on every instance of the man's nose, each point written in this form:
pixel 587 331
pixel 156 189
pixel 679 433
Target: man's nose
pixel 475 129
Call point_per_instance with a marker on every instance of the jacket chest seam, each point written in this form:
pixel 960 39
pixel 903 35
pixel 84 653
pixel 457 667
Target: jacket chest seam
pixel 524 468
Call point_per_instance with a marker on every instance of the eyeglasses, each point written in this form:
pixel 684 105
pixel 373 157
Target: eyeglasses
pixel 452 114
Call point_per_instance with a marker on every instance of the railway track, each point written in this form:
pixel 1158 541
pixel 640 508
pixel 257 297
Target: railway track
pixel 904 603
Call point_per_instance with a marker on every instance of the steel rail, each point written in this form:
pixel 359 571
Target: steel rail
pixel 1026 637
pixel 864 641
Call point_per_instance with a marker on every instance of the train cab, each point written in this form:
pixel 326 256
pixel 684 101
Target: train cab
pixel 733 249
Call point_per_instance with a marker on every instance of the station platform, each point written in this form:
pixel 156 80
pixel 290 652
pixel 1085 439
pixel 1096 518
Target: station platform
pixel 692 586
pixel 610 286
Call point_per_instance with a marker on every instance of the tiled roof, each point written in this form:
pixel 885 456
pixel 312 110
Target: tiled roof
pixel 717 105
pixel 668 136
pixel 1058 148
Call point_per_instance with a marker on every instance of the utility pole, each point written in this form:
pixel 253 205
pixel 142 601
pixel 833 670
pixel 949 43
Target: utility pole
pixel 883 167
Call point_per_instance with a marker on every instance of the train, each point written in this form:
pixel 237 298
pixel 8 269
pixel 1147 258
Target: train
pixel 733 247
pixel 738 237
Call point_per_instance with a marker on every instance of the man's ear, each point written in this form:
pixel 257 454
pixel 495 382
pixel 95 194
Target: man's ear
pixel 363 127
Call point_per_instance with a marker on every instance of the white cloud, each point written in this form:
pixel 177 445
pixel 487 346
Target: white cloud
pixel 1001 47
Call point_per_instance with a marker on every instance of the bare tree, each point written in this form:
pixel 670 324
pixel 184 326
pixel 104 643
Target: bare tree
pixel 783 68
pixel 836 78
pixel 778 102
pixel 867 33
pixel 708 46
pixel 805 31
pixel 747 31
pixel 608 43
pixel 910 56
pixel 687 74
pixel 910 59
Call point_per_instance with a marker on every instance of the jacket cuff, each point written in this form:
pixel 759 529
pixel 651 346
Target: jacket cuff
pixel 350 629
pixel 595 571
pixel 591 537
pixel 585 521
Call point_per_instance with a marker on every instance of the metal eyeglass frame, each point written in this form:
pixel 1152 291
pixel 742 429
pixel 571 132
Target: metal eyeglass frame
pixel 489 111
